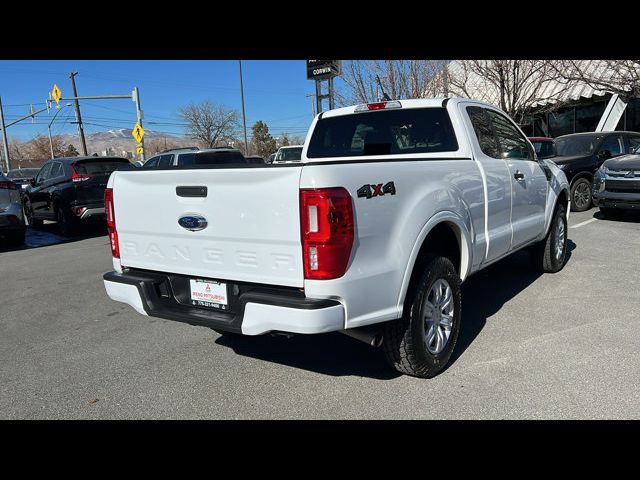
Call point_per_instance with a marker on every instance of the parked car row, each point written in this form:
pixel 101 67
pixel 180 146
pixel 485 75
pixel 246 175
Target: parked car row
pixel 603 168
pixel 70 191
pixel 12 227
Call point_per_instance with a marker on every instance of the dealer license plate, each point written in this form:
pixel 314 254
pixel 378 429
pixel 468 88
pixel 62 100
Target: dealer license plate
pixel 205 293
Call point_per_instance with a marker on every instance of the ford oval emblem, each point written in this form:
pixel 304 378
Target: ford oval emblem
pixel 193 223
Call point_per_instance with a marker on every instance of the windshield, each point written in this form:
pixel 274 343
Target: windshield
pixel 384 132
pixel 23 173
pixel 289 154
pixel 577 145
pixel 544 148
pixel 98 167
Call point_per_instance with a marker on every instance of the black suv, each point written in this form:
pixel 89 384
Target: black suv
pixel 581 154
pixel 69 190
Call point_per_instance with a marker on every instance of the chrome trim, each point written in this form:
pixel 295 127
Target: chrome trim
pixel 90 212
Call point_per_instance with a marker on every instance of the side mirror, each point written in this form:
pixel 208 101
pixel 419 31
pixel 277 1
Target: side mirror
pixel 138 164
pixel 604 154
pixel 32 182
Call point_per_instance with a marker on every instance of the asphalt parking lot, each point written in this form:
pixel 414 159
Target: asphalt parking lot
pixel 561 346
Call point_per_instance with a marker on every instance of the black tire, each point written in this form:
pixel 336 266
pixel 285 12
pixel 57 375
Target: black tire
pixel 581 188
pixel 28 215
pixel 613 213
pixel 17 239
pixel 404 339
pixel 544 254
pixel 66 225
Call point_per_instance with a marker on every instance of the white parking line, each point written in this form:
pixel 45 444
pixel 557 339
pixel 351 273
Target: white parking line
pixel 584 223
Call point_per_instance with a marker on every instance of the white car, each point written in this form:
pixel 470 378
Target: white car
pixel 392 206
pixel 12 227
pixel 289 154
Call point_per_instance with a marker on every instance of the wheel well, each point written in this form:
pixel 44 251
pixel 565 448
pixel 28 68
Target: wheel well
pixel 563 199
pixel 580 175
pixel 443 240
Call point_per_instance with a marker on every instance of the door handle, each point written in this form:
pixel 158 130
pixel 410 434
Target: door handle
pixel 518 175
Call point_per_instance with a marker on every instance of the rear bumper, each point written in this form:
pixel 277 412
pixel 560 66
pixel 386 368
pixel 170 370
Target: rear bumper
pixel 606 199
pixel 256 311
pixel 11 220
pixel 85 211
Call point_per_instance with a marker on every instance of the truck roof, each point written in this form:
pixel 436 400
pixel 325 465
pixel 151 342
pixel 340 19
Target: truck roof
pixel 410 103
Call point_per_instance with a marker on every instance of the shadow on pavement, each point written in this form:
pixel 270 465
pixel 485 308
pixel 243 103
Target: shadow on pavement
pixel 332 354
pixel 335 354
pixel 484 294
pixel 48 234
pixel 623 216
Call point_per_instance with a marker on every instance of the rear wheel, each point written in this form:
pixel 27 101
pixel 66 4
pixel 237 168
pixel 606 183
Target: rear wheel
pixel 66 225
pixel 581 195
pixel 17 239
pixel 422 341
pixel 28 215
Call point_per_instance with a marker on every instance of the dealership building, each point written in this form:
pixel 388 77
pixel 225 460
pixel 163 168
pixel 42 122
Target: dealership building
pixel 562 109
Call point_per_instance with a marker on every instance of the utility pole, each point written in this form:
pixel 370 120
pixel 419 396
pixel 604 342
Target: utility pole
pixel 4 137
pixel 78 117
pixel 139 115
pixel 244 120
pixel 313 106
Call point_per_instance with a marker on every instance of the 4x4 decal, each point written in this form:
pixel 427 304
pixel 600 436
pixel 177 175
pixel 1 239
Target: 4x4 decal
pixel 376 190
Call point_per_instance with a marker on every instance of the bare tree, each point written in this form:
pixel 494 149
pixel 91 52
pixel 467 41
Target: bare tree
pixel 613 76
pixel 516 86
pixel 38 147
pixel 399 79
pixel 209 123
pixel 155 145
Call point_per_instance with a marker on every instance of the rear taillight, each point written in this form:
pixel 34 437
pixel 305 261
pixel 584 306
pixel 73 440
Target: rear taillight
pixel 110 212
pixel 8 185
pixel 326 216
pixel 77 177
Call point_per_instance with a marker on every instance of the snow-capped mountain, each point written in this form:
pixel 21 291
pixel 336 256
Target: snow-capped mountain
pixel 121 140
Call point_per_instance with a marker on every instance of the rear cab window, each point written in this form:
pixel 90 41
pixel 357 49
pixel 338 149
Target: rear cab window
pixel 384 132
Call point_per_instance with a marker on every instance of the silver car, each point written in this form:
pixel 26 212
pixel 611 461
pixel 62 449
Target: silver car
pixel 12 227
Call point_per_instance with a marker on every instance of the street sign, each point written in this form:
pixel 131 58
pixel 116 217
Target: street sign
pixel 56 94
pixel 139 150
pixel 138 132
pixel 321 69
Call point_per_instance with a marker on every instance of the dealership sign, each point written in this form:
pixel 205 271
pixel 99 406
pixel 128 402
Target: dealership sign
pixel 321 69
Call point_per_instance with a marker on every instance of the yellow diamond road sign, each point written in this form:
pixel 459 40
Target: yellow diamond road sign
pixel 56 94
pixel 139 150
pixel 138 132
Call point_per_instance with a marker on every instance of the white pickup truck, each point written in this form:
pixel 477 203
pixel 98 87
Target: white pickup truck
pixel 392 206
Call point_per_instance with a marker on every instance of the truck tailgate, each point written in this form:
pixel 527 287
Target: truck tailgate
pixel 253 231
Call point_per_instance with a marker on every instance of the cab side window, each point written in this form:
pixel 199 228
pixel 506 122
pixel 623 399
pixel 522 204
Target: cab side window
pixel 44 174
pixel 484 131
pixel 56 170
pixel 152 162
pixel 613 144
pixel 634 143
pixel 165 161
pixel 512 143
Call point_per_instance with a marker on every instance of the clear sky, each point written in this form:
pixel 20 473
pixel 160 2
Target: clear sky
pixel 274 92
